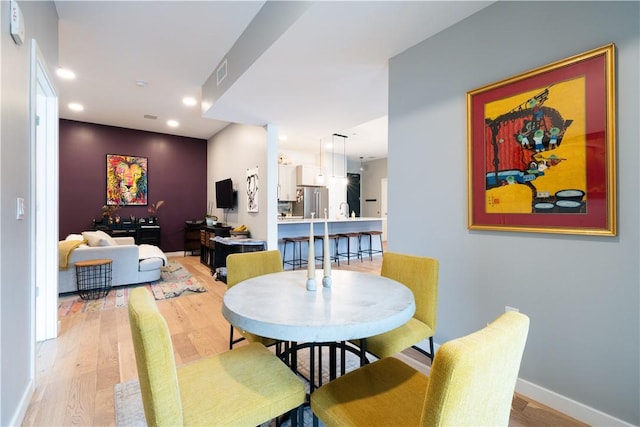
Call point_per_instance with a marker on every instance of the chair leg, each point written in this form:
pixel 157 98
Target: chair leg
pixel 284 253
pixel 231 340
pixel 426 353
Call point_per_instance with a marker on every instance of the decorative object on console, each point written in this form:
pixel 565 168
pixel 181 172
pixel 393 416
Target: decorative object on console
pixel 108 211
pixel 126 180
pixel 153 209
pixel 210 218
pixel 241 231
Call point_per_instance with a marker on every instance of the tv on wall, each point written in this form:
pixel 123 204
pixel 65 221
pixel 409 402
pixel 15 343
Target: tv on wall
pixel 224 194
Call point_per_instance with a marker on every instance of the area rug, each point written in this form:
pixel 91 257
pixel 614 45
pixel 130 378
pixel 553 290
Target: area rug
pixel 175 280
pixel 130 412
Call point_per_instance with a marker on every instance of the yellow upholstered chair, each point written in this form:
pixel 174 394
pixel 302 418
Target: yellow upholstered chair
pixel 244 386
pixel 420 274
pixel 243 266
pixel 471 383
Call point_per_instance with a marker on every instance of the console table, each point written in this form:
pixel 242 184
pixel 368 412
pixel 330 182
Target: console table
pixel 142 233
pixel 207 247
pixel 229 245
pixel 192 237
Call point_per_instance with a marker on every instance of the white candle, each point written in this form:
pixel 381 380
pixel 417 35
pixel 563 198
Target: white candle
pixel 311 262
pixel 326 280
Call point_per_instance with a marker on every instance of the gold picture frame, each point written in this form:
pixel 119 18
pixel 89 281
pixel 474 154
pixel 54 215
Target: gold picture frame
pixel 541 149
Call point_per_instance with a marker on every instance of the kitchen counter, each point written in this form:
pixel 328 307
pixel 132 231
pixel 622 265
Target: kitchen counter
pixel 294 220
pixel 294 227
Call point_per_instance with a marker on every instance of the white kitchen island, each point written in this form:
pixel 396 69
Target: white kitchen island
pixel 294 227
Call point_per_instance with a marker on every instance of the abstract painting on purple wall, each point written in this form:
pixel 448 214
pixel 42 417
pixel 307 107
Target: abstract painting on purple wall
pixel 126 180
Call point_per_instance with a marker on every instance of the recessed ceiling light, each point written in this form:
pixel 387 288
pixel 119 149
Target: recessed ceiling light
pixel 173 123
pixel 189 101
pixel 75 106
pixel 141 83
pixel 66 74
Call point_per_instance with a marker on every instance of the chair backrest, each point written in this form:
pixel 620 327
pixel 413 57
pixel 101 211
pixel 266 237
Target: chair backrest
pixel 155 361
pixel 473 378
pixel 420 274
pixel 243 266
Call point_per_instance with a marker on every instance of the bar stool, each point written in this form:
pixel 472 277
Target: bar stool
pixel 348 253
pixel 294 261
pixel 370 249
pixel 334 257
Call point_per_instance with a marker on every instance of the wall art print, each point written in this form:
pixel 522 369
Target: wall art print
pixel 126 180
pixel 252 190
pixel 541 149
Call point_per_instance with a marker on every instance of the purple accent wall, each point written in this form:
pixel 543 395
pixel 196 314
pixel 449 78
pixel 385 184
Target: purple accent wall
pixel 177 174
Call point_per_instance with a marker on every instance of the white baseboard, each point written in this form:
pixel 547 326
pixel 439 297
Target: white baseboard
pixel 567 406
pixel 18 417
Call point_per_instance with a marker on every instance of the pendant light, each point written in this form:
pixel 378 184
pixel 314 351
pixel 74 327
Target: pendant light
pixel 344 156
pixel 361 165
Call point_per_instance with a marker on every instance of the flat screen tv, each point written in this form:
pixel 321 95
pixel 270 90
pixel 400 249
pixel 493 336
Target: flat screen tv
pixel 224 194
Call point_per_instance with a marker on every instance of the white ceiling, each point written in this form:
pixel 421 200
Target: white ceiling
pixel 326 74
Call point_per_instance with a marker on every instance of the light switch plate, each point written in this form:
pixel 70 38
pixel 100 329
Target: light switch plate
pixel 20 208
pixel 17 23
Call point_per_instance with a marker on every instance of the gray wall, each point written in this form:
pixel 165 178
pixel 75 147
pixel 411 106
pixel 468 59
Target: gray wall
pixel 41 23
pixel 581 292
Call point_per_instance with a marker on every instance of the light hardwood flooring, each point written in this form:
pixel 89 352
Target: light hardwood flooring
pixel 76 373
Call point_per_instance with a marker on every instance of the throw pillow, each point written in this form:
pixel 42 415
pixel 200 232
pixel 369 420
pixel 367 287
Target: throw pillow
pixel 98 238
pixel 74 237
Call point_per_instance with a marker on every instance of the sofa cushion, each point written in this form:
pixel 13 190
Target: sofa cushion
pixel 98 238
pixel 150 264
pixel 74 237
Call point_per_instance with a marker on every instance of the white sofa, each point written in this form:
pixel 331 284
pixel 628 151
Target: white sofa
pixel 131 263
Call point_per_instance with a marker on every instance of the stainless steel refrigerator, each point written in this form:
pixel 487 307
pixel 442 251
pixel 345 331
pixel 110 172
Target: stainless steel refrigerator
pixel 311 199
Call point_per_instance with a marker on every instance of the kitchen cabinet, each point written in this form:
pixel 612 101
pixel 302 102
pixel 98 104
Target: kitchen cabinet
pixel 306 174
pixel 286 183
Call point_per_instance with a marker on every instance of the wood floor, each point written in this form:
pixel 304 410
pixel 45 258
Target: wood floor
pixel 76 373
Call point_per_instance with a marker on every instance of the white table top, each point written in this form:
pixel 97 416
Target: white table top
pixel 357 305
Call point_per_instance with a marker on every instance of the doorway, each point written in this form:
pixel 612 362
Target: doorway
pixel 353 193
pixel 44 198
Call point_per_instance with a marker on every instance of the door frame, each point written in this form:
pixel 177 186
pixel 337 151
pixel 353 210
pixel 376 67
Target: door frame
pixel 43 198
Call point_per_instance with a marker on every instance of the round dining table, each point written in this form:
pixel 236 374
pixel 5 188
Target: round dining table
pixel 356 306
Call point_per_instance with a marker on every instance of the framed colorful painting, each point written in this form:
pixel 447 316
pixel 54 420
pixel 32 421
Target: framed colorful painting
pixel 126 180
pixel 541 149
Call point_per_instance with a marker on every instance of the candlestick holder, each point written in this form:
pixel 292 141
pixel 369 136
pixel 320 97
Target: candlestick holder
pixel 311 262
pixel 326 255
